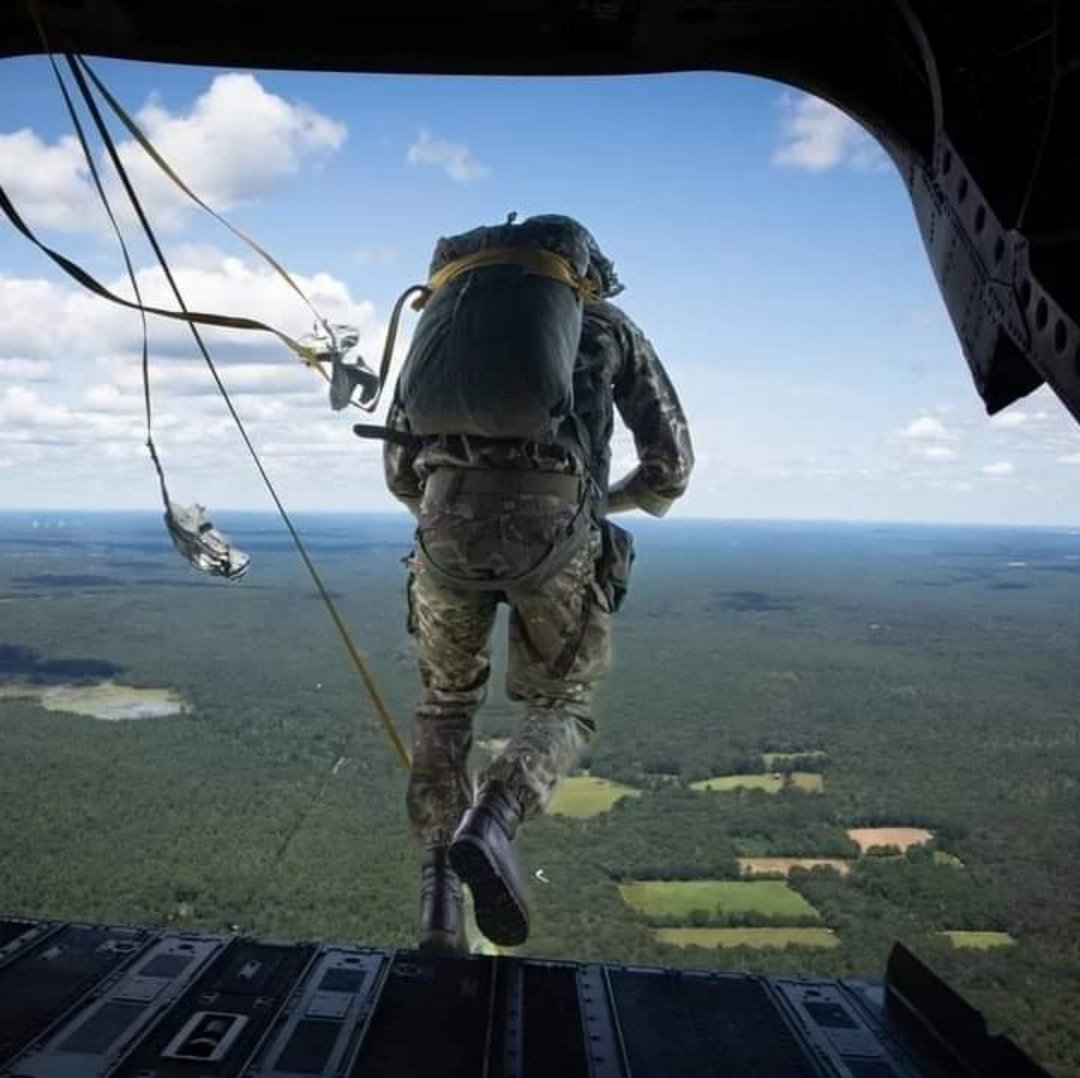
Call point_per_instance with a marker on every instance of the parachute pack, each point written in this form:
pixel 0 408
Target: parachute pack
pixel 494 350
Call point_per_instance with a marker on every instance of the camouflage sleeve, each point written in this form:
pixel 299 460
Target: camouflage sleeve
pixel 649 406
pixel 398 460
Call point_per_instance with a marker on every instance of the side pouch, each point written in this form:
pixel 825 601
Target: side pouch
pixel 616 560
pixel 410 598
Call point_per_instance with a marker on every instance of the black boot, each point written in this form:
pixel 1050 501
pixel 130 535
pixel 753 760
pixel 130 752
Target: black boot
pixel 442 914
pixel 483 856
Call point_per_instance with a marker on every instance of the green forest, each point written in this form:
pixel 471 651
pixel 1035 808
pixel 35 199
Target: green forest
pixel 928 675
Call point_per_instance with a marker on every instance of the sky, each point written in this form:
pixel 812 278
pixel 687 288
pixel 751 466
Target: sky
pixel 767 244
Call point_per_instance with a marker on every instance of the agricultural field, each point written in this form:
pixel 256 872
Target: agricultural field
pixel 771 783
pixel 981 941
pixel 950 859
pixel 680 899
pixel 747 937
pixel 782 866
pixel 902 838
pixel 582 796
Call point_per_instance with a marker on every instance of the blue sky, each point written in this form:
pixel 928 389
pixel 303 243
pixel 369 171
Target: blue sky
pixel 767 245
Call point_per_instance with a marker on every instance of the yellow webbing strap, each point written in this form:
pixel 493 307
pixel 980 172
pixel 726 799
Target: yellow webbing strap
pixel 193 318
pixel 152 153
pixel 534 259
pixel 391 338
pixel 306 355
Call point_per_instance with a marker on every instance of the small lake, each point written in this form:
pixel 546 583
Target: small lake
pixel 104 700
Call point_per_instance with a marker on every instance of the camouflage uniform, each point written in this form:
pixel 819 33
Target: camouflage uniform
pixel 560 642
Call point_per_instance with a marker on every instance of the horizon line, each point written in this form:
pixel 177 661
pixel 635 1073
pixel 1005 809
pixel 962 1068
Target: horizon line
pixel 645 519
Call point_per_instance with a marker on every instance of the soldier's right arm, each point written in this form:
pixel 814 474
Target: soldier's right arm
pixel 401 478
pixel 649 406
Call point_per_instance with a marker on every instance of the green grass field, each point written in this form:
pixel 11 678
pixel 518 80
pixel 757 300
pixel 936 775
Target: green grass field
pixel 771 783
pixel 981 941
pixel 746 937
pixel 680 898
pixel 581 796
pixel 778 759
pixel 943 858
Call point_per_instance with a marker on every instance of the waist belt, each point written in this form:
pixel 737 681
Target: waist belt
pixel 447 483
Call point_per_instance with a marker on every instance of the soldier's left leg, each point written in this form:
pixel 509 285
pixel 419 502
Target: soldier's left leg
pixel 560 647
pixel 452 630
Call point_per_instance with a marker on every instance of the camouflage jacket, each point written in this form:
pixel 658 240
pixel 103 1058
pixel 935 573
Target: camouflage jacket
pixel 617 368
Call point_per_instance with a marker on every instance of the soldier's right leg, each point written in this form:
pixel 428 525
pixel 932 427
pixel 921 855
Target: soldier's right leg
pixel 559 648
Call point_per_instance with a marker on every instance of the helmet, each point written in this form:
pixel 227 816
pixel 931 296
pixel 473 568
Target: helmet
pixel 601 270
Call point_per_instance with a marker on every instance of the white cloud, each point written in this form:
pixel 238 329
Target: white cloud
pixel 110 398
pixel 232 287
pixel 236 143
pixel 28 310
pixel 926 428
pixel 938 453
pixel 929 438
pixel 25 370
pixel 455 158
pixel 1011 420
pixel 49 184
pixel 40 321
pixel 998 469
pixel 29 417
pixel 190 377
pixel 1070 458
pixel 817 136
pixel 80 432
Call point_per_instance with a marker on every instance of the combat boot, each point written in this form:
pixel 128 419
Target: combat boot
pixel 484 858
pixel 442 912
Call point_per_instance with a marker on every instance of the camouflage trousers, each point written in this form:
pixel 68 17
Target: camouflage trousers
pixel 559 647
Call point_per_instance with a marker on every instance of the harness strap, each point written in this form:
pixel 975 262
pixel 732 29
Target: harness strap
pixel 534 259
pixel 386 434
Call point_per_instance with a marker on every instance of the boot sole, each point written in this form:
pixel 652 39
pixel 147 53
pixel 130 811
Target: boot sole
pixel 499 915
